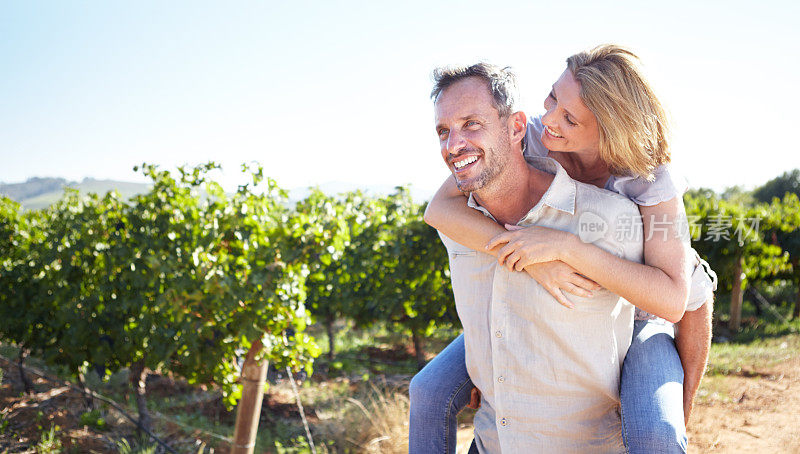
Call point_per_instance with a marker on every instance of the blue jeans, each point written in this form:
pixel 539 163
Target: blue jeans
pixel 651 392
pixel 438 393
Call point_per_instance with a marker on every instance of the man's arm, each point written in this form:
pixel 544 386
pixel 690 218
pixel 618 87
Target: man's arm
pixel 693 340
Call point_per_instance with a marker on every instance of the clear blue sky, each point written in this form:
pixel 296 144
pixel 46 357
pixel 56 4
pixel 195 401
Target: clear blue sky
pixel 338 91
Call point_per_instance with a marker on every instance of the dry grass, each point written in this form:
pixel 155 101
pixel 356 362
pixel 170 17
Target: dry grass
pixel 376 421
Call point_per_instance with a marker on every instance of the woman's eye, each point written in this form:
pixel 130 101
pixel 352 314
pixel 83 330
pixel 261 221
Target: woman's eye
pixel 571 123
pixel 551 95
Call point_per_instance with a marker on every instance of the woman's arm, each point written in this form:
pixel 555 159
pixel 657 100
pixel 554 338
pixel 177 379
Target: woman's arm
pixel 659 286
pixel 448 213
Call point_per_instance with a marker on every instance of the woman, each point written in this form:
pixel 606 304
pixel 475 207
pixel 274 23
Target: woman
pixel 605 126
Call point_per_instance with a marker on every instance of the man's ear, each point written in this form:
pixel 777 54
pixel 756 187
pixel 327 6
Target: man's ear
pixel 517 126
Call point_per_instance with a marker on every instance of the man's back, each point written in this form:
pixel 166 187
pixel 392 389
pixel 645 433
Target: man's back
pixel 549 375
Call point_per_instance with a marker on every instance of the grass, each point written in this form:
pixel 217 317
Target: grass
pixel 379 349
pixel 139 446
pixel 753 351
pixel 734 358
pixel 758 345
pixel 49 443
pixel 374 419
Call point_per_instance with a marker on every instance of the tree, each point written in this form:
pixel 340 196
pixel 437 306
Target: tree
pixel 420 297
pixel 731 237
pixel 786 234
pixel 21 237
pixel 788 182
pixel 404 279
pixel 173 280
pixel 320 227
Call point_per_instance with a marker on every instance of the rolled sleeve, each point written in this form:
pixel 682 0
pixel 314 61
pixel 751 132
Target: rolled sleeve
pixel 703 284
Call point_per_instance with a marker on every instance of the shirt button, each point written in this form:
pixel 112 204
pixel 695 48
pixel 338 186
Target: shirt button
pixel 498 334
pixel 501 379
pixel 503 422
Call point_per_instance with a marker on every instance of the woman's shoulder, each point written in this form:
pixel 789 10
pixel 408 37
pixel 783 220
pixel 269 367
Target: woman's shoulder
pixel 666 185
pixel 533 137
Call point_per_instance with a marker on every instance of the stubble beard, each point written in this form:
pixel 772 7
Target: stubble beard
pixel 481 181
pixel 494 163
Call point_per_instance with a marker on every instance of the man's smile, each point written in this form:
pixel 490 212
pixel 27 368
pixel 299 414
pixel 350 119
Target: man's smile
pixel 461 163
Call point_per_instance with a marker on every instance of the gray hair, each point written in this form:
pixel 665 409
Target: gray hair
pixel 501 82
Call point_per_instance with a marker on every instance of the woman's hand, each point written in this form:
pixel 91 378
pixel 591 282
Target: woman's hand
pixel 528 245
pixel 557 277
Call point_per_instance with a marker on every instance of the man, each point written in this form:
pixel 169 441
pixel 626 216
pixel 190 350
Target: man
pixel 548 375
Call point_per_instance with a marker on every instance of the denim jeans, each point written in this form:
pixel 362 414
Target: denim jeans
pixel 438 393
pixel 651 392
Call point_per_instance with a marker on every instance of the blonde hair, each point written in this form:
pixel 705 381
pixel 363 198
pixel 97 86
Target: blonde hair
pixel 633 124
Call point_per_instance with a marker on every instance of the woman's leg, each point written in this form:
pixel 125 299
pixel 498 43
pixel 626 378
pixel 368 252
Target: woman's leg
pixel 438 393
pixel 651 391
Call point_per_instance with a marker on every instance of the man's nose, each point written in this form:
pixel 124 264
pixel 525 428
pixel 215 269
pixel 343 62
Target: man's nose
pixel 455 143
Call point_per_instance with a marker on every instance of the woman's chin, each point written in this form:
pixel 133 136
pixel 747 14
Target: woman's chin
pixel 552 143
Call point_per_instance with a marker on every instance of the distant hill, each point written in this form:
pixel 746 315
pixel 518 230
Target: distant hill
pixel 32 188
pixel 39 193
pixel 338 187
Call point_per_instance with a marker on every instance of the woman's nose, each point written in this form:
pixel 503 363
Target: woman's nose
pixel 547 118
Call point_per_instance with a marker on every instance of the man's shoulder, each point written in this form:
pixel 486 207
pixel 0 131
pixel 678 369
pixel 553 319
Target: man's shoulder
pixel 589 196
pixel 609 220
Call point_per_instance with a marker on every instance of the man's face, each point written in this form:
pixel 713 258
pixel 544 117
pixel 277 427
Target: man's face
pixel 474 139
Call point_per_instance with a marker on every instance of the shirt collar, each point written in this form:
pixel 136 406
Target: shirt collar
pixel 560 195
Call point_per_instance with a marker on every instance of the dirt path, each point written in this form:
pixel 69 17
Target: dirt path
pixel 755 412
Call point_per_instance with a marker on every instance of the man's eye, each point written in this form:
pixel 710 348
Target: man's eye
pixel 471 123
pixel 443 133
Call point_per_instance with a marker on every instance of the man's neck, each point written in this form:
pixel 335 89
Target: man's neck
pixel 513 195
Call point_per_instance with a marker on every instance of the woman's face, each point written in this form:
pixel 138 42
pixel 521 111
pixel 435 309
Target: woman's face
pixel 569 125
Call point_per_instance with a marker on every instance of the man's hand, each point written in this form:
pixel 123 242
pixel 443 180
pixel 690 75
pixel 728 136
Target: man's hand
pixel 474 399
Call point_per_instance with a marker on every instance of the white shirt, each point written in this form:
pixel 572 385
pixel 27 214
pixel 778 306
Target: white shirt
pixel 548 375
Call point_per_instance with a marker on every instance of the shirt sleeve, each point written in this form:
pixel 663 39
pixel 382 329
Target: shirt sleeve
pixel 666 186
pixel 703 284
pixel 533 138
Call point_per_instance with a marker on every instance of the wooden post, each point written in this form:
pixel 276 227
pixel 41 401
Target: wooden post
pixel 415 338
pixel 138 379
pixel 248 412
pixel 736 296
pixel 796 269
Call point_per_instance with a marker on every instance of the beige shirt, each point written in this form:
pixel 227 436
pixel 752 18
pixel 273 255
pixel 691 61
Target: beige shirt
pixel 549 376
